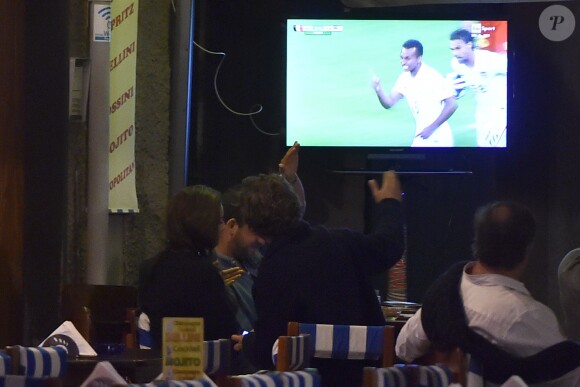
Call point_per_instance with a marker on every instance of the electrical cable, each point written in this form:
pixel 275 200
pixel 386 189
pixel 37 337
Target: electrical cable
pixel 258 107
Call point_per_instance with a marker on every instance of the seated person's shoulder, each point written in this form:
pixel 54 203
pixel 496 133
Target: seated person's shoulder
pixel 570 264
pixel 537 321
pixel 148 265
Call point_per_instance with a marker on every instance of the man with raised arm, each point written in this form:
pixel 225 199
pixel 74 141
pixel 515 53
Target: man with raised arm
pixel 238 250
pixel 315 274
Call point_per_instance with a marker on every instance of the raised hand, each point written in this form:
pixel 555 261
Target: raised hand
pixel 390 187
pixel 288 166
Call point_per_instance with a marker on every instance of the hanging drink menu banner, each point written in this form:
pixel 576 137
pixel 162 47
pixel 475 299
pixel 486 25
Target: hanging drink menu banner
pixel 122 89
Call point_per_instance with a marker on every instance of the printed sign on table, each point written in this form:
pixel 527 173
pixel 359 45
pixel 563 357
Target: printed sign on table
pixel 182 348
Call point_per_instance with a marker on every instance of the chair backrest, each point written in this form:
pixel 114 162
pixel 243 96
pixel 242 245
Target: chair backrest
pixel 455 360
pixel 38 361
pixel 407 375
pixel 435 376
pixel 171 383
pixel 99 312
pixel 398 375
pixel 132 335
pixel 293 352
pixel 216 357
pixel 5 363
pixel 303 378
pixel 29 381
pixel 349 341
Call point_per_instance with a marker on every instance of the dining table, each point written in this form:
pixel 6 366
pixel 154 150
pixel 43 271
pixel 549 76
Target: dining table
pixel 134 365
pixel 397 313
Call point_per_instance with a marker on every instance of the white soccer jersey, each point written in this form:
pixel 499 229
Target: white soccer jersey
pixel 425 93
pixel 488 77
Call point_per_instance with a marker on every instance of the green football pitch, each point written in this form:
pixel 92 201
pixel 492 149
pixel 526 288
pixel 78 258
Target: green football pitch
pixel 329 93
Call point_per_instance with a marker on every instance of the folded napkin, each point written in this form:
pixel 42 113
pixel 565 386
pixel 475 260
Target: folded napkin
pixel 68 336
pixel 104 374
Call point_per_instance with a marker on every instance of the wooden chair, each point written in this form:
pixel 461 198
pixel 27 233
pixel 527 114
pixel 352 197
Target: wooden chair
pixel 38 361
pixel 171 383
pixel 132 335
pixel 138 334
pixel 29 381
pixel 217 359
pixel 455 360
pixel 407 375
pixel 101 312
pixel 435 369
pixel 5 363
pixel 364 342
pixel 398 375
pixel 294 352
pixel 303 378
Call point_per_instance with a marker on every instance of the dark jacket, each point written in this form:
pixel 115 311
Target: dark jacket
pixel 320 275
pixel 184 284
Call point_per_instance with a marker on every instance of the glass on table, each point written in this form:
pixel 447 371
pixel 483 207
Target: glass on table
pixel 391 312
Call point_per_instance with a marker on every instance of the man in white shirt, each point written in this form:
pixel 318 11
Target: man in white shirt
pixel 496 304
pixel 485 72
pixel 430 97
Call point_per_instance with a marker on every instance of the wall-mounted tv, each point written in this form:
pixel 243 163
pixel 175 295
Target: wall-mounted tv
pixel 336 70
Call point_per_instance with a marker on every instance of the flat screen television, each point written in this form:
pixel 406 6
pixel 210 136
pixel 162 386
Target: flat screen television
pixel 332 66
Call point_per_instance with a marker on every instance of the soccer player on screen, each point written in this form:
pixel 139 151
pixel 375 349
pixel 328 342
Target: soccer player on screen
pixel 430 97
pixel 485 72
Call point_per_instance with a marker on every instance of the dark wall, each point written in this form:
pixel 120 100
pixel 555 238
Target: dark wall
pixel 227 146
pixel 538 169
pixel 45 144
pixel 11 170
pixel 439 205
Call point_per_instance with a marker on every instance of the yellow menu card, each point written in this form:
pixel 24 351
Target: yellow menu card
pixel 182 348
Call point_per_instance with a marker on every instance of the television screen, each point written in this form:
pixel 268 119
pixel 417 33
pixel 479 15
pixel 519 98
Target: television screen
pixel 397 83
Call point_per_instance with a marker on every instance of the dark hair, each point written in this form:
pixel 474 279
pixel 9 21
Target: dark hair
pixel 461 34
pixel 193 218
pixel 412 43
pixel 503 233
pixel 269 205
